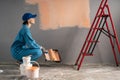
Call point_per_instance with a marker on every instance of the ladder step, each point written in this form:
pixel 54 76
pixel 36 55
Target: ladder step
pixel 105 15
pixel 98 28
pixel 93 41
pixel 88 54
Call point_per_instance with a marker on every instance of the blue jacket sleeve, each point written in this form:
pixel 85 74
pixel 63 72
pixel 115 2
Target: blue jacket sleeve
pixel 30 42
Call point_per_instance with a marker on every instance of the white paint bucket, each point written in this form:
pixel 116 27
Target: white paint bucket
pixel 33 72
pixel 23 69
pixel 26 64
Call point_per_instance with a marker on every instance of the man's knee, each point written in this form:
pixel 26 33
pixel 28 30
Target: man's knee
pixel 39 53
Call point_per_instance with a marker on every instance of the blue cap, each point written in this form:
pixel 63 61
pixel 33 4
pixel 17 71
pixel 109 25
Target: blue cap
pixel 27 16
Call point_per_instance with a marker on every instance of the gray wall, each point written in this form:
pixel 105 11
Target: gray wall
pixel 67 40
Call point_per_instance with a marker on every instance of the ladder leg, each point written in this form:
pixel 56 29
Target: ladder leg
pixel 80 63
pixel 110 37
pixel 114 31
pixel 76 63
pixel 113 48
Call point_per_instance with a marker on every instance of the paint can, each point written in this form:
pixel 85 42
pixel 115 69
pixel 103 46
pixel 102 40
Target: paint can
pixel 26 64
pixel 23 69
pixel 33 72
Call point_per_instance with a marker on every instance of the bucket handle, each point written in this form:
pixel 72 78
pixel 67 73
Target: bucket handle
pixel 35 63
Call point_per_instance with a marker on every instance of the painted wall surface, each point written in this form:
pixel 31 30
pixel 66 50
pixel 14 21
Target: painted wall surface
pixel 56 14
pixel 67 40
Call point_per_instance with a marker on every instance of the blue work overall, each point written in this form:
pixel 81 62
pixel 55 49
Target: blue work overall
pixel 25 45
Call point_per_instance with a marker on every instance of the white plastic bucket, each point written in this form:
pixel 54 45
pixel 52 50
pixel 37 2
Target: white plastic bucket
pixel 23 69
pixel 33 72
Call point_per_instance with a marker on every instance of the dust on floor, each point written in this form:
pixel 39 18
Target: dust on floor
pixel 64 72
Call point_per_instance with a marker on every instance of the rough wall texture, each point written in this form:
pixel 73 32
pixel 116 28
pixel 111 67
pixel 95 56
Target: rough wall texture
pixel 67 40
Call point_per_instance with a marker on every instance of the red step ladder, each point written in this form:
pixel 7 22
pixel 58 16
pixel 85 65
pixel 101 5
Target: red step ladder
pixel 99 25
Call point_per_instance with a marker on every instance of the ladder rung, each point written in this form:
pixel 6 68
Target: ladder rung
pixel 105 15
pixel 88 54
pixel 93 41
pixel 98 28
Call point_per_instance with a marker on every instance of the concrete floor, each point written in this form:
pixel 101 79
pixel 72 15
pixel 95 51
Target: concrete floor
pixel 64 72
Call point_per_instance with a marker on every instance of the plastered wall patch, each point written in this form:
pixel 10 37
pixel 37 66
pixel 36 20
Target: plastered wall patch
pixel 56 14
